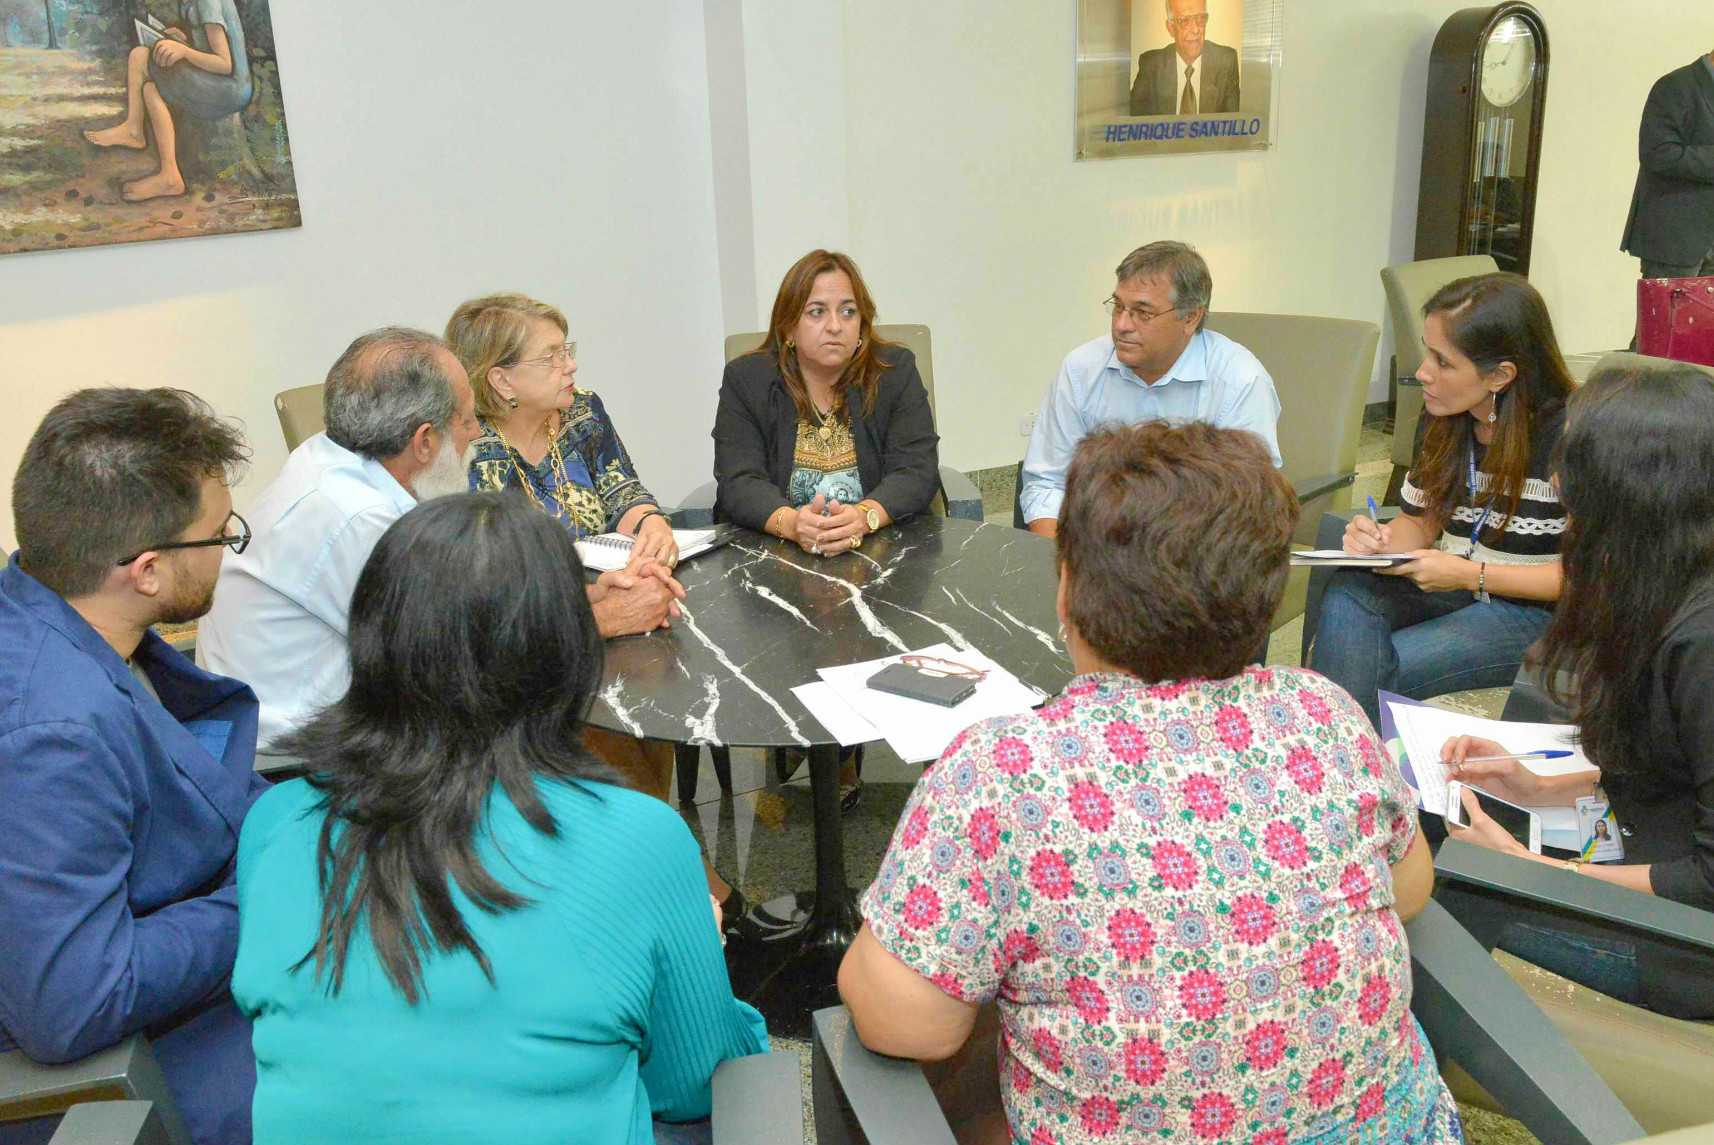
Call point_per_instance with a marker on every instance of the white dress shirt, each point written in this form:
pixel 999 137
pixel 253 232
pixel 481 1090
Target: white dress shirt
pixel 1215 380
pixel 1195 82
pixel 281 606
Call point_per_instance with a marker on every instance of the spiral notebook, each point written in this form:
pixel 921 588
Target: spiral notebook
pixel 611 551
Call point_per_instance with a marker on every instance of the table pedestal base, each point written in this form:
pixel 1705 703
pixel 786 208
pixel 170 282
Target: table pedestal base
pixel 784 957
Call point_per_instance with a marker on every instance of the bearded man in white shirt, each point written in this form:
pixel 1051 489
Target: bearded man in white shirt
pixel 400 417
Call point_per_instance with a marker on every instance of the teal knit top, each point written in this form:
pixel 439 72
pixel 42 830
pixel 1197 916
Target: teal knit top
pixel 610 999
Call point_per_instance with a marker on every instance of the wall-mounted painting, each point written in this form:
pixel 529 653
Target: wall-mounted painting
pixel 1166 77
pixel 129 120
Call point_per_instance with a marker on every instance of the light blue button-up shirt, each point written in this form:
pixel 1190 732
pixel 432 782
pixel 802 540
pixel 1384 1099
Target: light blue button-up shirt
pixel 282 606
pixel 1215 380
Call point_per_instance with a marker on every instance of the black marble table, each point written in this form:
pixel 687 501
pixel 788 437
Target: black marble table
pixel 760 617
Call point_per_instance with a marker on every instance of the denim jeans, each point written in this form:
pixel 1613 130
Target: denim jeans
pixel 1381 632
pixel 1605 965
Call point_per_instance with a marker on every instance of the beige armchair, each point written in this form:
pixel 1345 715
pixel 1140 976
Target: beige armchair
pixel 300 414
pixel 1321 369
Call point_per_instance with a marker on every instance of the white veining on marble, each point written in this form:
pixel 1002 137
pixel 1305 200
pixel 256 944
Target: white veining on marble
pixel 738 673
pixel 702 727
pixel 862 556
pixel 970 604
pixel 773 597
pixel 865 614
pixel 952 633
pixel 895 561
pixel 980 525
pixel 613 697
pixel 1034 631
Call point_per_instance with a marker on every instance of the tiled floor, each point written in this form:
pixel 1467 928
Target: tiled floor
pixel 761 835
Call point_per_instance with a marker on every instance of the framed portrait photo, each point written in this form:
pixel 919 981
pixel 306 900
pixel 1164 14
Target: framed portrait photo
pixel 1170 77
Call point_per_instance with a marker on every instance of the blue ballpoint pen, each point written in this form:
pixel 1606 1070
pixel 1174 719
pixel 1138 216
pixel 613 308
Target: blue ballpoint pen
pixel 1553 754
pixel 1374 513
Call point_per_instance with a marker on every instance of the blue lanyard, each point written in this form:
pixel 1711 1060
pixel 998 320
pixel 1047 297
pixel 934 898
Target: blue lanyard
pixel 1483 519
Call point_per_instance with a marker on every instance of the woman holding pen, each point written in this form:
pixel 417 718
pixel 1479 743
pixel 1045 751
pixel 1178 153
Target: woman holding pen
pixel 1634 645
pixel 1481 518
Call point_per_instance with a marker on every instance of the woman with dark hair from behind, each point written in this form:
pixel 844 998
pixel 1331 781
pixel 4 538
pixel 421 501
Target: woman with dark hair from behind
pixel 458 926
pixel 1633 642
pixel 1479 514
pixel 1180 883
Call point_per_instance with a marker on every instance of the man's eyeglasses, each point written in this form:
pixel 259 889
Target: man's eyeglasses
pixel 237 542
pixel 1138 315
pixel 935 666
pixel 1197 21
pixel 557 359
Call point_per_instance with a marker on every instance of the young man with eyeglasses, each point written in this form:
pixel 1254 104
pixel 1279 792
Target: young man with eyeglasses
pixel 1192 75
pixel 125 771
pixel 1156 363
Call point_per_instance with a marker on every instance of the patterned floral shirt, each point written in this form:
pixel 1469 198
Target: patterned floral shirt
pixel 1181 897
pixel 598 485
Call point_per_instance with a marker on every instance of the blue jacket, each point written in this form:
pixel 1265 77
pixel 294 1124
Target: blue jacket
pixel 119 820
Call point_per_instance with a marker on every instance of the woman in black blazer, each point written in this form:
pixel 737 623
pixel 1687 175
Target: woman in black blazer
pixel 823 435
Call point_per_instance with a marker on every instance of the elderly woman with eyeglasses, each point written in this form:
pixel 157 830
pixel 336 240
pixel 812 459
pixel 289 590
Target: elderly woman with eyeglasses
pixel 542 434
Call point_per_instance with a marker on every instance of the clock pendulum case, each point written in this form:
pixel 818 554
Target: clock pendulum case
pixel 1481 137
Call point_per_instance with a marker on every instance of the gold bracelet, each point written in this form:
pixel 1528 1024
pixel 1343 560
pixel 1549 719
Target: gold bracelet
pixel 1573 865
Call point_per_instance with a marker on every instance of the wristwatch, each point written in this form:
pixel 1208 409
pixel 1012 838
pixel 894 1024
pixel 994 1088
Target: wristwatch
pixel 871 515
pixel 1572 865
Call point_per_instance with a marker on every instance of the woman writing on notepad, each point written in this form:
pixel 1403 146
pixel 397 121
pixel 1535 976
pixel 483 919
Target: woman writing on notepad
pixel 1631 652
pixel 1480 518
pixel 544 435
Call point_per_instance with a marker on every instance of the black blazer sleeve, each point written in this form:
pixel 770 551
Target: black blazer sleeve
pixel 902 428
pixel 748 488
pixel 1669 142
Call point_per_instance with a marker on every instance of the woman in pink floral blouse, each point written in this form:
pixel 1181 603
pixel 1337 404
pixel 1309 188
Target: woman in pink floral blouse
pixel 1182 880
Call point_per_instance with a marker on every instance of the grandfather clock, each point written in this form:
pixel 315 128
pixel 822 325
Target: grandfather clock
pixel 1481 138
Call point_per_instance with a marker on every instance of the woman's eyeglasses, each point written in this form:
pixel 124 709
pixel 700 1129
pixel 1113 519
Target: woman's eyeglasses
pixel 237 542
pixel 557 359
pixel 935 666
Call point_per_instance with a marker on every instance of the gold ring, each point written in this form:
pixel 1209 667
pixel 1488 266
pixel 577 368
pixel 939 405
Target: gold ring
pixel 856 542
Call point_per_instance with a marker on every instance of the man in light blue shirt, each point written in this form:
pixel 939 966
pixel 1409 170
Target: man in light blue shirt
pixel 1158 362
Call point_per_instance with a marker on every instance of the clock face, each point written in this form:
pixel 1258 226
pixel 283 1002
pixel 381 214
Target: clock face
pixel 1508 62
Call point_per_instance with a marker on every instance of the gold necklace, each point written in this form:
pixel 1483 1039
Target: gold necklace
pixel 554 455
pixel 827 420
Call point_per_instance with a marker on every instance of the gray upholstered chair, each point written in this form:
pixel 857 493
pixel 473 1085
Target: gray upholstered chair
pixel 1661 1068
pixel 959 494
pixel 124 1073
pixel 1473 1013
pixel 111 1099
pixel 1321 369
pixel 1409 285
pixel 300 414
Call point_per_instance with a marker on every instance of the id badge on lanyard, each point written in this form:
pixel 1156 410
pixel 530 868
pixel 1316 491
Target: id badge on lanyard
pixel 1476 532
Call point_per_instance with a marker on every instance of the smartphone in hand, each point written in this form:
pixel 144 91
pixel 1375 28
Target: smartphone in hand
pixel 1520 823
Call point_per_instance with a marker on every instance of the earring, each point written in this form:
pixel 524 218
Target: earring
pixel 1494 409
pixel 513 402
pixel 790 345
pixel 1064 636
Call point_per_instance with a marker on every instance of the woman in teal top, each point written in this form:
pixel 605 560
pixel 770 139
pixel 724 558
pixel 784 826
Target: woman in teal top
pixel 459 928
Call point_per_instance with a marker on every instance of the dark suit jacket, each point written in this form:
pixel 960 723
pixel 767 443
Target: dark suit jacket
pixel 755 436
pixel 119 820
pixel 1672 210
pixel 1156 90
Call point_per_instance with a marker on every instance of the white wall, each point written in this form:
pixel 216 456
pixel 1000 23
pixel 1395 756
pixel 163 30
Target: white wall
pixel 968 213
pixel 559 147
pixel 579 151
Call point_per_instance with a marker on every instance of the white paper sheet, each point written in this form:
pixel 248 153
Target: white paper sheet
pixel 835 714
pixel 917 731
pixel 1425 730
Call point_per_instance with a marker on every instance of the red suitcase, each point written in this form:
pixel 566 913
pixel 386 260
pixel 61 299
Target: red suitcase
pixel 1675 319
